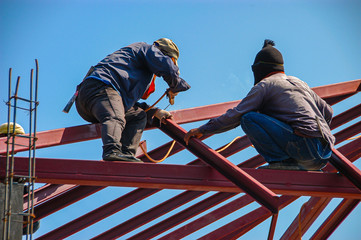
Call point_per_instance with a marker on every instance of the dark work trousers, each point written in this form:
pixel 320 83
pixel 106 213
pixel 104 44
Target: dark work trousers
pixel 121 131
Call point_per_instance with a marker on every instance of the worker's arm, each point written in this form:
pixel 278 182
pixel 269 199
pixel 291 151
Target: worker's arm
pixel 163 66
pixel 231 119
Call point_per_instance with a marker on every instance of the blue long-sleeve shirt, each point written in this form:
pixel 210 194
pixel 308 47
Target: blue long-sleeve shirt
pixel 130 69
pixel 285 98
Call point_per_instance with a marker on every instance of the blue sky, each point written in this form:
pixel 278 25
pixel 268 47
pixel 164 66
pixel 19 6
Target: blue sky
pixel 218 40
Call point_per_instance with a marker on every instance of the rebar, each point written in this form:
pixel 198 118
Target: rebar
pixel 10 143
pixel 6 181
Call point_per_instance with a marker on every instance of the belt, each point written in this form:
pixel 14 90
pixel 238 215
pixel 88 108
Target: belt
pixel 323 141
pixel 301 134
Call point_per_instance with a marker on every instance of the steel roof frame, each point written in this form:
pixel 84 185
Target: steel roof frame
pixel 212 172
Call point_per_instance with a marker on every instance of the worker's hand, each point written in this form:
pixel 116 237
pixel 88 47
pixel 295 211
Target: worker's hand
pixel 171 95
pixel 163 114
pixel 192 133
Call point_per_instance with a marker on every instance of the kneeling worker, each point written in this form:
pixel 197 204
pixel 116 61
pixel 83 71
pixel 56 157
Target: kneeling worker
pixel 286 121
pixel 110 93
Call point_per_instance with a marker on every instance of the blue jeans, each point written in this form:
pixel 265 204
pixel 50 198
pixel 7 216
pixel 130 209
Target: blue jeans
pixel 276 142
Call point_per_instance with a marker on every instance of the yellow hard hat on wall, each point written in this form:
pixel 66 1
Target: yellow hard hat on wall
pixel 4 129
pixel 168 47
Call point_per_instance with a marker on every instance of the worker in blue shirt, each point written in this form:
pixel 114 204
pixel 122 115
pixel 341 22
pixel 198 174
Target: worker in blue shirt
pixel 285 120
pixel 110 93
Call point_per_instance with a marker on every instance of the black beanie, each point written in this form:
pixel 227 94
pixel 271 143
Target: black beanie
pixel 268 60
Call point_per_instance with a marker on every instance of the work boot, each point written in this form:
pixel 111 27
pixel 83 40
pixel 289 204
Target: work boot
pixel 120 157
pixel 282 166
pixel 287 166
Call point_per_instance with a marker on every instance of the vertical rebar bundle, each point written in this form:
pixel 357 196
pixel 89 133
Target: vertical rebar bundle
pixel 10 178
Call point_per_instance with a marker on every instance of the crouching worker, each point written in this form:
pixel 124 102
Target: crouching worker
pixel 285 120
pixel 110 93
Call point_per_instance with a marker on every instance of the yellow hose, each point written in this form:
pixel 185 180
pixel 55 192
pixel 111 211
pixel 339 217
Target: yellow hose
pixel 353 138
pixel 161 160
pixel 229 144
pixel 146 110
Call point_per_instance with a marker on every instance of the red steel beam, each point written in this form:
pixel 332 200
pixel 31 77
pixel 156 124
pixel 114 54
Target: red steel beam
pixel 97 214
pixel 337 92
pixel 199 223
pixel 352 153
pixel 248 144
pixel 169 205
pixel 56 137
pixel 335 219
pixel 318 204
pixel 338 89
pixel 160 152
pixel 335 126
pixel 351 148
pixel 108 209
pixel 346 116
pixel 50 191
pixel 238 227
pixel 202 113
pixel 87 132
pixel 187 229
pixel 273 226
pixel 254 218
pixel 348 132
pixel 337 99
pixel 149 215
pixel 180 217
pixel 46 193
pixel 309 213
pixel 307 218
pixel 65 199
pixel 196 177
pixel 208 218
pixel 236 175
pixel 143 218
pixel 345 166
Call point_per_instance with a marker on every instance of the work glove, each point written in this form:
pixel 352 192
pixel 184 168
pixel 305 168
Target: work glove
pixel 162 114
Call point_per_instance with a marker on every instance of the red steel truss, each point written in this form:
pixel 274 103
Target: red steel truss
pixel 68 181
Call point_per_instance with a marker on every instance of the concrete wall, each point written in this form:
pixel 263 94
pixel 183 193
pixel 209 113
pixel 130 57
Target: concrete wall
pixel 16 227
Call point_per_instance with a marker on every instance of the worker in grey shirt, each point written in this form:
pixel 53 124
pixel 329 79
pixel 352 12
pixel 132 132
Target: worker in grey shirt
pixel 286 121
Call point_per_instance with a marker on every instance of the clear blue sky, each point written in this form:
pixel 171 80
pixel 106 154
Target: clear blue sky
pixel 218 40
